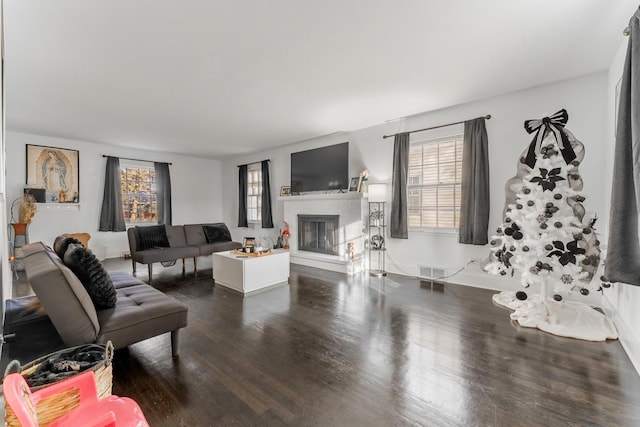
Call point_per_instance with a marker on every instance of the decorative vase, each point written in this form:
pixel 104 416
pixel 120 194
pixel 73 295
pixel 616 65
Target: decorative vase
pixel 20 229
pixel 286 242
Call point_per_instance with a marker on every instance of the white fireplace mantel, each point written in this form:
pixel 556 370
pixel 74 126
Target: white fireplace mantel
pixel 349 207
pixel 323 196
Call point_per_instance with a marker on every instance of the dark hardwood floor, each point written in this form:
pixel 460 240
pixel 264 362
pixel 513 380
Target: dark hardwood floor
pixel 332 350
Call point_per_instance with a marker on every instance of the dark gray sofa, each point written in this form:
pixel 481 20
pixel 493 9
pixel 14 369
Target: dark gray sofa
pixel 185 241
pixel 141 311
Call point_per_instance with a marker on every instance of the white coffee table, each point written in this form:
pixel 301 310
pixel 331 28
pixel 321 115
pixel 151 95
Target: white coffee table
pixel 251 274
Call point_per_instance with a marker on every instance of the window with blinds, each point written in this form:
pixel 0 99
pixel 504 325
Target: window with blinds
pixel 434 183
pixel 254 192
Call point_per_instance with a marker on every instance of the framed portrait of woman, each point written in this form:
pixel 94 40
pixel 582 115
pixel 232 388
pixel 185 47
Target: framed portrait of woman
pixel 56 170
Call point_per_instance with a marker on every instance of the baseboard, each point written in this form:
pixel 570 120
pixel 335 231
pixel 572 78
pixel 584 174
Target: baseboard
pixel 327 262
pixel 626 335
pixel 475 277
pixel 472 276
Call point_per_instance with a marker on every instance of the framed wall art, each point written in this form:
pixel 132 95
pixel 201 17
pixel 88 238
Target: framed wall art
pixel 56 170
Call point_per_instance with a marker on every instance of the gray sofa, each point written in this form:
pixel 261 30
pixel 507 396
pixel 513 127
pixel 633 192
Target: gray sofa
pixel 185 241
pixel 140 312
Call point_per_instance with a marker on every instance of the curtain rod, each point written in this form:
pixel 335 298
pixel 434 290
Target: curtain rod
pixel 247 164
pixel 488 116
pixel 136 160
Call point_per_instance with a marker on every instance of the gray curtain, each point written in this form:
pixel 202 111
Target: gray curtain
pixel 623 254
pixel 474 204
pixel 242 196
pixel 163 192
pixel 267 220
pixel 398 224
pixel 111 216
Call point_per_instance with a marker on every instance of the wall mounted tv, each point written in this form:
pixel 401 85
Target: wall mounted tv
pixel 320 169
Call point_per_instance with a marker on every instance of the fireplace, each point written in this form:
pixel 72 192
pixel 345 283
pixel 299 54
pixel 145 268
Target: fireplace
pixel 319 233
pixel 346 211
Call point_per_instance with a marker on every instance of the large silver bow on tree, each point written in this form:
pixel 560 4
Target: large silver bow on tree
pixel 555 124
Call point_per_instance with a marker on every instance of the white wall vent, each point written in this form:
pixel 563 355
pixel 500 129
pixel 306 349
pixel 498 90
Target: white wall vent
pixel 430 272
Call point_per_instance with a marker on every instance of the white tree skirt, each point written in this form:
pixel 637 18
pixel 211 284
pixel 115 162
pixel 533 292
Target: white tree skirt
pixel 566 319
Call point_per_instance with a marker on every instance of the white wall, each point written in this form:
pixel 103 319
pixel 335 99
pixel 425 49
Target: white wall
pixel 621 301
pixel 195 183
pixel 585 100
pixel 5 270
pixel 280 176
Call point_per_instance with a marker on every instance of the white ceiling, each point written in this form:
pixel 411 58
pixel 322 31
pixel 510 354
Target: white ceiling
pixel 224 78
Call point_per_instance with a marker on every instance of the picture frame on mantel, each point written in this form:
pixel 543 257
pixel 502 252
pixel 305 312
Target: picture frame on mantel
pixel 285 190
pixel 354 184
pixel 56 170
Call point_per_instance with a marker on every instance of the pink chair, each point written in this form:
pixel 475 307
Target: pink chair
pixel 110 411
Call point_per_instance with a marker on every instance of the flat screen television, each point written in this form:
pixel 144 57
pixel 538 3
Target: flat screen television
pixel 320 169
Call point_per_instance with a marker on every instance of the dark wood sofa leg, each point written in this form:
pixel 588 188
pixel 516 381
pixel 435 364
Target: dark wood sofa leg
pixel 183 269
pixel 174 343
pixel 150 265
pixel 195 266
pixel 133 263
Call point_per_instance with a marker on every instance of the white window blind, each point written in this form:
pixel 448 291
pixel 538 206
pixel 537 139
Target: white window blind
pixel 434 183
pixel 254 192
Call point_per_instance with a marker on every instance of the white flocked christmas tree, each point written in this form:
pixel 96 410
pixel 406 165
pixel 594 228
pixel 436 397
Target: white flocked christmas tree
pixel 546 239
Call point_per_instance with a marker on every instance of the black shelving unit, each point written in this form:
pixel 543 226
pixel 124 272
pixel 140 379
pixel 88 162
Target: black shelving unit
pixel 377 234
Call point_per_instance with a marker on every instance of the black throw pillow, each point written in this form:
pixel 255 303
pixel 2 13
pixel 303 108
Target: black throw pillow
pixel 152 237
pixel 91 274
pixel 61 244
pixel 218 232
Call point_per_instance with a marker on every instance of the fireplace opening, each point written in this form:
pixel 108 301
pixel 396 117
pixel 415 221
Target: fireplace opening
pixel 318 233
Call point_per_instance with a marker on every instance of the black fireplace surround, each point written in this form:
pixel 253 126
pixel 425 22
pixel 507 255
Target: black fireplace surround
pixel 319 233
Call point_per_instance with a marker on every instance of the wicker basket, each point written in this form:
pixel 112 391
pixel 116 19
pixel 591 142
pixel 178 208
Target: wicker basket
pixel 59 404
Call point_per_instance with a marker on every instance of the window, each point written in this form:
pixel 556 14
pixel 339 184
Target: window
pixel 254 192
pixel 434 183
pixel 139 199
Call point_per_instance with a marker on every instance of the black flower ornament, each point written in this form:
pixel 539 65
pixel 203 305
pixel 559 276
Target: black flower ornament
pixel 569 255
pixel 504 256
pixel 548 179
